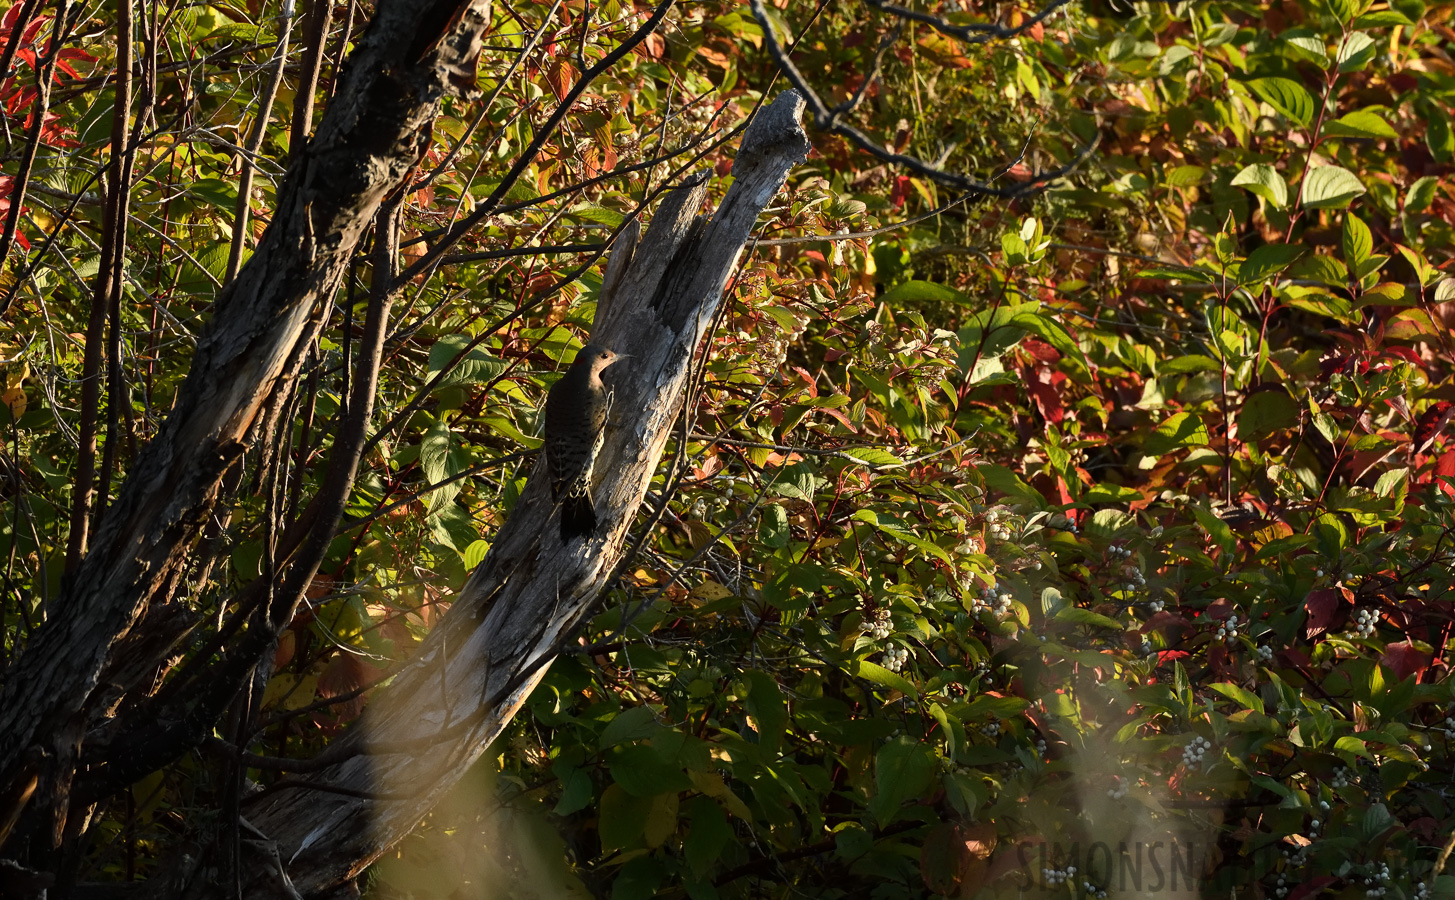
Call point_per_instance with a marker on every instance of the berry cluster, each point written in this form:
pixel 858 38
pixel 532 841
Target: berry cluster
pixel 1228 631
pixel 881 626
pixel 1193 753
pixel 895 658
pixel 1365 623
pixel 995 600
pixel 1376 885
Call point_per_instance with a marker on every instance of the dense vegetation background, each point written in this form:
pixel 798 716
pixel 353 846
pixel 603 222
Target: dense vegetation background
pixel 1075 532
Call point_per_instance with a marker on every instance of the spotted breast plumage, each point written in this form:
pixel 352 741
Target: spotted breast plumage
pixel 576 410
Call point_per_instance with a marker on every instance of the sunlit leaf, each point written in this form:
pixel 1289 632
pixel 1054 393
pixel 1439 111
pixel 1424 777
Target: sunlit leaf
pixel 1330 187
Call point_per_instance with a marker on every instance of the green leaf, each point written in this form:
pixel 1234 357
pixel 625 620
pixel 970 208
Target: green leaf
pixel 1357 242
pixel 1185 365
pixel 1215 528
pixel 576 788
pixel 773 526
pixel 238 31
pixel 1219 34
pixel 1184 273
pixel 922 292
pixel 1323 269
pixel 766 706
pixel 591 212
pixel 1268 260
pixel 1290 544
pixel 883 677
pixel 635 724
pixel 215 191
pixel 1348 744
pixel 1356 51
pixel 873 457
pixel 1306 45
pixel 1394 484
pixel 642 772
pixel 1389 294
pixel 1265 414
pixel 476 367
pixel 1052 332
pixel 709 835
pixel 1185 176
pixel 1111 493
pixel 475 553
pixel 439 459
pixel 1317 301
pixel 1264 180
pixel 895 529
pixel 1438 136
pixel 1330 187
pixel 1421 194
pixel 1381 19
pixel 1185 429
pixel 903 769
pixel 1344 10
pixel 1361 124
pixel 622 818
pixel 1243 697
pixel 1287 96
pixel 1014 248
pixel 1075 615
pixel 1172 58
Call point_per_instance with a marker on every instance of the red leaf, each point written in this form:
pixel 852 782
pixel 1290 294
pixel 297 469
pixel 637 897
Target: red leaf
pixel 1445 470
pixel 1311 887
pixel 1404 660
pixel 1042 385
pixel 1323 611
pixel 899 192
pixel 1431 423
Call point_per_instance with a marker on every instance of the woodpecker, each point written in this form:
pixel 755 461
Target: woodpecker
pixel 575 422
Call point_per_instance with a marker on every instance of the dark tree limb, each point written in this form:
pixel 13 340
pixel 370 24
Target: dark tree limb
pixel 367 144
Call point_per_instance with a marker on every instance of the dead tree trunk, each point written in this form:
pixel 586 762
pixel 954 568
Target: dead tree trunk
pixel 531 592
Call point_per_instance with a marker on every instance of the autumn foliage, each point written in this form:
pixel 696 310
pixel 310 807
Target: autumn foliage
pixel 1025 521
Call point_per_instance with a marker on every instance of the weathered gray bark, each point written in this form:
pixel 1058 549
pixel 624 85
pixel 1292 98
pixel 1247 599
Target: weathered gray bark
pixel 424 731
pixel 367 144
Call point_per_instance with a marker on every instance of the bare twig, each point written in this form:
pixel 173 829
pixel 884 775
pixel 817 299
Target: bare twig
pixel 107 286
pixel 255 144
pixel 831 120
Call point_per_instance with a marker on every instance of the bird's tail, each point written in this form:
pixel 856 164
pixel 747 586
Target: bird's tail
pixel 578 516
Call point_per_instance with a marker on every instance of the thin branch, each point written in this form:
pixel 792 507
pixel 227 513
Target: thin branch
pixel 830 120
pixel 255 144
pixel 490 204
pixel 102 297
pixel 320 15
pixel 510 252
pixel 969 34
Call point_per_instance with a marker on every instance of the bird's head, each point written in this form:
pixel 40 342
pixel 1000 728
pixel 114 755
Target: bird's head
pixel 598 358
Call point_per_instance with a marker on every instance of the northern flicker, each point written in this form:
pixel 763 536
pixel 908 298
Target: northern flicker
pixel 575 422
